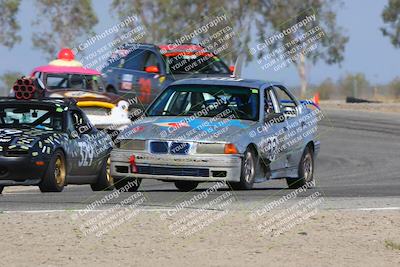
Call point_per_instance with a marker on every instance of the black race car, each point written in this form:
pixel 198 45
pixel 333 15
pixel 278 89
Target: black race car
pixel 51 143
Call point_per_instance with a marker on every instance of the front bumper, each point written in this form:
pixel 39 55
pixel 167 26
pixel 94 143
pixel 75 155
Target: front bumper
pixel 20 171
pixel 202 168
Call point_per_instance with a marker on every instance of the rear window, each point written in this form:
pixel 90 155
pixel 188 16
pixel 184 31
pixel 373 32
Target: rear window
pixel 193 63
pixel 74 81
pixel 132 59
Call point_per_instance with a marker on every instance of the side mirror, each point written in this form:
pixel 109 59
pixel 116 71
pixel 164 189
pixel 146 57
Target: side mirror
pixel 232 68
pixel 275 118
pixel 152 69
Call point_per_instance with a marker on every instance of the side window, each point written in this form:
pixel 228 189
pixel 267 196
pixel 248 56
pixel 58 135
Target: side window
pixel 151 60
pixel 79 123
pixel 38 74
pixel 135 60
pixel 77 81
pixel 268 104
pixel 271 102
pixel 287 104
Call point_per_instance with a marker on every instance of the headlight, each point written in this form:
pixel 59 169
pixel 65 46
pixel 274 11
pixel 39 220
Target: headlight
pixel 132 144
pixel 207 148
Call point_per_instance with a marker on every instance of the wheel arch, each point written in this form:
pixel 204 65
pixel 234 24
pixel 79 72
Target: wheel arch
pixel 254 148
pixel 311 146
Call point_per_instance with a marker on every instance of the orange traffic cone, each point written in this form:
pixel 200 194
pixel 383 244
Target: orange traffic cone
pixel 316 99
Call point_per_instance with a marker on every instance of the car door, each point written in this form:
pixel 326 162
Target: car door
pixel 274 134
pixel 290 107
pixel 128 73
pixel 84 147
pixel 151 80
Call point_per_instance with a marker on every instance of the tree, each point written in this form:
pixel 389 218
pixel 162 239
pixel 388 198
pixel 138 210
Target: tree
pixel 394 87
pixel 185 16
pixel 354 84
pixel 391 16
pixel 7 80
pixel 9 24
pixel 64 22
pixel 287 17
pixel 326 89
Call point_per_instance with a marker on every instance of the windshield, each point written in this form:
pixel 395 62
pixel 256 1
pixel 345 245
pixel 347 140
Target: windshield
pixel 207 101
pixel 74 81
pixel 38 117
pixel 191 63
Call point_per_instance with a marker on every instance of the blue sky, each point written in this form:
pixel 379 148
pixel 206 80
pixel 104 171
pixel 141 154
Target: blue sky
pixel 367 50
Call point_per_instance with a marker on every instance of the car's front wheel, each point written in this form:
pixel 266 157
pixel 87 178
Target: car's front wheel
pixel 186 186
pixel 305 171
pixel 104 181
pixel 127 184
pixel 54 178
pixel 248 172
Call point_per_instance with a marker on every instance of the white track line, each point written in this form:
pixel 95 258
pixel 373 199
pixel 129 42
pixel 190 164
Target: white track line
pixel 168 209
pixel 373 209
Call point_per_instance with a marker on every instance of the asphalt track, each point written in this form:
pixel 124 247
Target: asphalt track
pixel 358 167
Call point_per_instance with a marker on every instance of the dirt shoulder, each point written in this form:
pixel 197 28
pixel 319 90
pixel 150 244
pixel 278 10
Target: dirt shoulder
pixel 328 238
pixel 371 107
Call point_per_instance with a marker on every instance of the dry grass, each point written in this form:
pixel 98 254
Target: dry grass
pixel 392 245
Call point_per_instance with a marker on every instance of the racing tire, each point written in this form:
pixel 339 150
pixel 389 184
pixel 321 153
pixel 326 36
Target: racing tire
pixel 104 181
pixel 54 178
pixel 248 172
pixel 127 184
pixel 305 171
pixel 1 189
pixel 186 186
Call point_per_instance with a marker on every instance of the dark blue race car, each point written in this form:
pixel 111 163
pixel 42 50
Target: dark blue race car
pixel 50 143
pixel 140 72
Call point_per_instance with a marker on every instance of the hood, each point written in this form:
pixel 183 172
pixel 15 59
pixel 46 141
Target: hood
pixel 23 138
pixel 187 129
pixel 83 95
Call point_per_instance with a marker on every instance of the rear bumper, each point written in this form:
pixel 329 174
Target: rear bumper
pixel 202 168
pixel 20 171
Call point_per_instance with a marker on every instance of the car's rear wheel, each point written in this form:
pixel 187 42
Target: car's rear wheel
pixel 54 178
pixel 305 171
pixel 127 184
pixel 248 172
pixel 1 188
pixel 186 186
pixel 104 181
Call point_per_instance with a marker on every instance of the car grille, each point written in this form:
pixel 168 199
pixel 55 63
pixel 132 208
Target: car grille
pixel 179 148
pixel 159 147
pixel 195 172
pixel 15 152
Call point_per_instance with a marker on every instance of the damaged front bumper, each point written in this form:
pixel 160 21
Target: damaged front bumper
pixel 201 168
